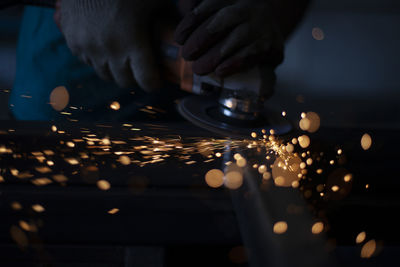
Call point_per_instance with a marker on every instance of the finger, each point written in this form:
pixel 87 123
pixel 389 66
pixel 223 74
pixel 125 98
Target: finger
pixel 246 58
pixel 227 18
pixel 208 7
pixel 238 39
pixel 212 31
pixel 208 62
pixel 85 59
pixel 121 73
pixel 145 68
pixel 103 71
pixel 194 19
pixel 186 6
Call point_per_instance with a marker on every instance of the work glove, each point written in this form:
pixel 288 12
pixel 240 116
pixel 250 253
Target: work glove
pixel 115 37
pixel 230 36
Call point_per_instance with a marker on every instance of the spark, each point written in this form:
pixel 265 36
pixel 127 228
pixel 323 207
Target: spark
pixel 368 250
pixel 361 237
pixel 366 141
pixel 317 228
pixel 38 208
pixel 113 211
pixel 233 180
pixel 348 177
pixel 103 185
pixel 115 105
pixel 59 98
pixel 16 205
pixel 214 178
pixel 304 141
pixel 280 227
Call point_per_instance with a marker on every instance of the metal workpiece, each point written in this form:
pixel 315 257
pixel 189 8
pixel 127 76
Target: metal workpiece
pixel 259 208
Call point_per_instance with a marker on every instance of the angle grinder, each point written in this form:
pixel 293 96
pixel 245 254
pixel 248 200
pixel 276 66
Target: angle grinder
pixel 233 106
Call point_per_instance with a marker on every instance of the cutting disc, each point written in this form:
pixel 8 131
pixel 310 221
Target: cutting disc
pixel 204 112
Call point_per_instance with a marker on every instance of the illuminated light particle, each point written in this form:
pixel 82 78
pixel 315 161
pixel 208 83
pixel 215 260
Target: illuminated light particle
pixel 280 181
pixel 284 113
pixel 228 163
pixel 262 169
pixel 314 120
pixel 368 250
pixel 267 157
pixel 125 160
pixel 304 141
pixel 106 141
pixel 54 128
pixel 263 131
pixel 267 175
pixel 305 124
pixel 366 141
pixel 317 228
pixel 254 135
pixel 237 156
pixel 340 152
pixel 41 181
pixel 309 161
pixel 332 162
pixel 321 194
pixel 318 34
pixel 367 186
pixel 50 163
pixel 115 105
pixel 290 148
pixel 70 144
pixel 38 208
pixel 272 132
pixel 320 188
pixel 335 188
pixel 113 211
pixel 303 165
pixel 1 179
pixel 361 237
pixel 303 115
pixel 280 227
pixel 26 226
pixel 214 178
pixel 43 169
pixel 218 155
pixel 14 172
pixel 16 205
pixel 255 166
pixel 72 161
pixel 241 162
pixel 348 177
pixel 19 236
pixel 320 171
pixel 294 141
pixel 103 185
pixel 60 178
pixel 59 98
pixel 295 184
pixel 233 180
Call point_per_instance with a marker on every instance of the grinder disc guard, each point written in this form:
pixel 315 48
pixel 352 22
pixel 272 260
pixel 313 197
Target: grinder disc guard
pixel 205 112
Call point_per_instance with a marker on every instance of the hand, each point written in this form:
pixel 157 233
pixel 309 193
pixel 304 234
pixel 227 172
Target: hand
pixel 115 37
pixel 229 36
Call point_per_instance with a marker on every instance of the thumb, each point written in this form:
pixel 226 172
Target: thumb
pixel 144 65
